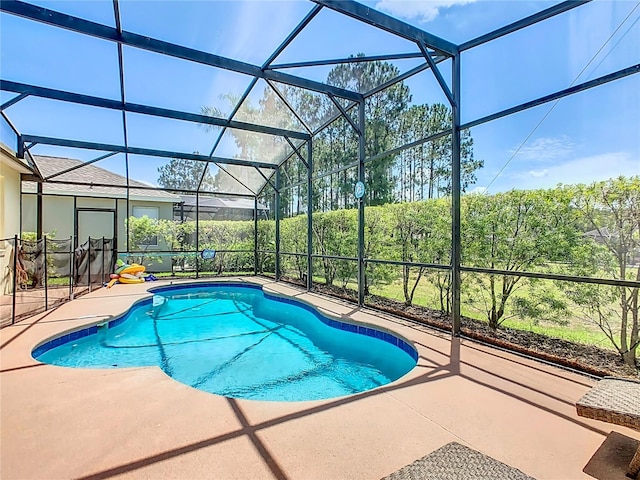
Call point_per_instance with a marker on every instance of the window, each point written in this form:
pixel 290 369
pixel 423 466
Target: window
pixel 151 213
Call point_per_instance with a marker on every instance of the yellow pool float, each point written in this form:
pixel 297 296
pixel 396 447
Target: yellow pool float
pixel 128 274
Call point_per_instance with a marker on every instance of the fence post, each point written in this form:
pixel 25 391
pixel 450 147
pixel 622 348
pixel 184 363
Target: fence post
pixel 255 237
pixel 15 278
pixel 197 234
pixel 89 264
pixel 71 267
pixel 102 264
pixel 310 214
pixel 46 278
pixel 277 206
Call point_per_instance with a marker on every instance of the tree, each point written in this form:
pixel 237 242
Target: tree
pixel 171 235
pixel 422 172
pixel 293 239
pixel 233 241
pixel 336 233
pixel 425 170
pixel 292 200
pixel 141 232
pixel 377 231
pixel 251 145
pixel 337 144
pixel 516 231
pixel 612 209
pixel 410 237
pixel 421 234
pixel 266 234
pixel 182 174
pixel 438 215
pixel 382 116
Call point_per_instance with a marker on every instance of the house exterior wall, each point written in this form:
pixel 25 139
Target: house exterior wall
pixel 9 226
pixel 9 201
pixel 58 217
pixel 10 171
pixel 89 202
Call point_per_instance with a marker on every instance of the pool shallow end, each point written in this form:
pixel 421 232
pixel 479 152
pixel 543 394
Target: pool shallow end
pixel 82 332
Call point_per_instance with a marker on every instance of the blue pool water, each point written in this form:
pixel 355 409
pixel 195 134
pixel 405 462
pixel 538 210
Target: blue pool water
pixel 237 341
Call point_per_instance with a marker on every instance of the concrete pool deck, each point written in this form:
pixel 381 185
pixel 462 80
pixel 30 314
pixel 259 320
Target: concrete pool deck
pixel 139 423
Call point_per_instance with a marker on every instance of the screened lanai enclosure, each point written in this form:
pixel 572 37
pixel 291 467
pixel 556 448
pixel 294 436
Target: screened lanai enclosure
pixel 475 159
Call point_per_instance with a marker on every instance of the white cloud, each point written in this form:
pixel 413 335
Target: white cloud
pixel 581 170
pixel 421 10
pixel 546 149
pixel 539 173
pixel 250 46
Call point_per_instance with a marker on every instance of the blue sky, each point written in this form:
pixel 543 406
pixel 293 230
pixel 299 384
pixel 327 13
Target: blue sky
pixel 589 136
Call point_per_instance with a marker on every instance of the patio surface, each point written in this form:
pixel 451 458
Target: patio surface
pixel 139 423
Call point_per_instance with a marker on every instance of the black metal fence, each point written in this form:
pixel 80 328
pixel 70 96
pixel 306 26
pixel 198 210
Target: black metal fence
pixel 39 274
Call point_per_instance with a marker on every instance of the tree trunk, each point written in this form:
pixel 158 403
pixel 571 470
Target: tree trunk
pixel 431 178
pixel 415 285
pixel 493 320
pixel 422 177
pixel 405 285
pixel 629 357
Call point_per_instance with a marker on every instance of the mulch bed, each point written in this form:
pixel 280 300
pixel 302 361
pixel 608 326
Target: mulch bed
pixel 585 358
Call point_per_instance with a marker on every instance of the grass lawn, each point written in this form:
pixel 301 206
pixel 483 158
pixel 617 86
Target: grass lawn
pixel 576 329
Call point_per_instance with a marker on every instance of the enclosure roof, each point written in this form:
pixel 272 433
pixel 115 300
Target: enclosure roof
pixel 208 83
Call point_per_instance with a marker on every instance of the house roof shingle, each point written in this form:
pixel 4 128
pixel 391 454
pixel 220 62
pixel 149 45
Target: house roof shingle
pixel 92 176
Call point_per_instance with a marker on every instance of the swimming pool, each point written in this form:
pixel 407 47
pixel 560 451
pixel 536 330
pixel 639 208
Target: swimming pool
pixel 235 340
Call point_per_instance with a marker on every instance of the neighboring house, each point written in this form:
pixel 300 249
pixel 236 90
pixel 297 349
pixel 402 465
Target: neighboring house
pixel 600 236
pixel 84 207
pixel 216 208
pixel 604 236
